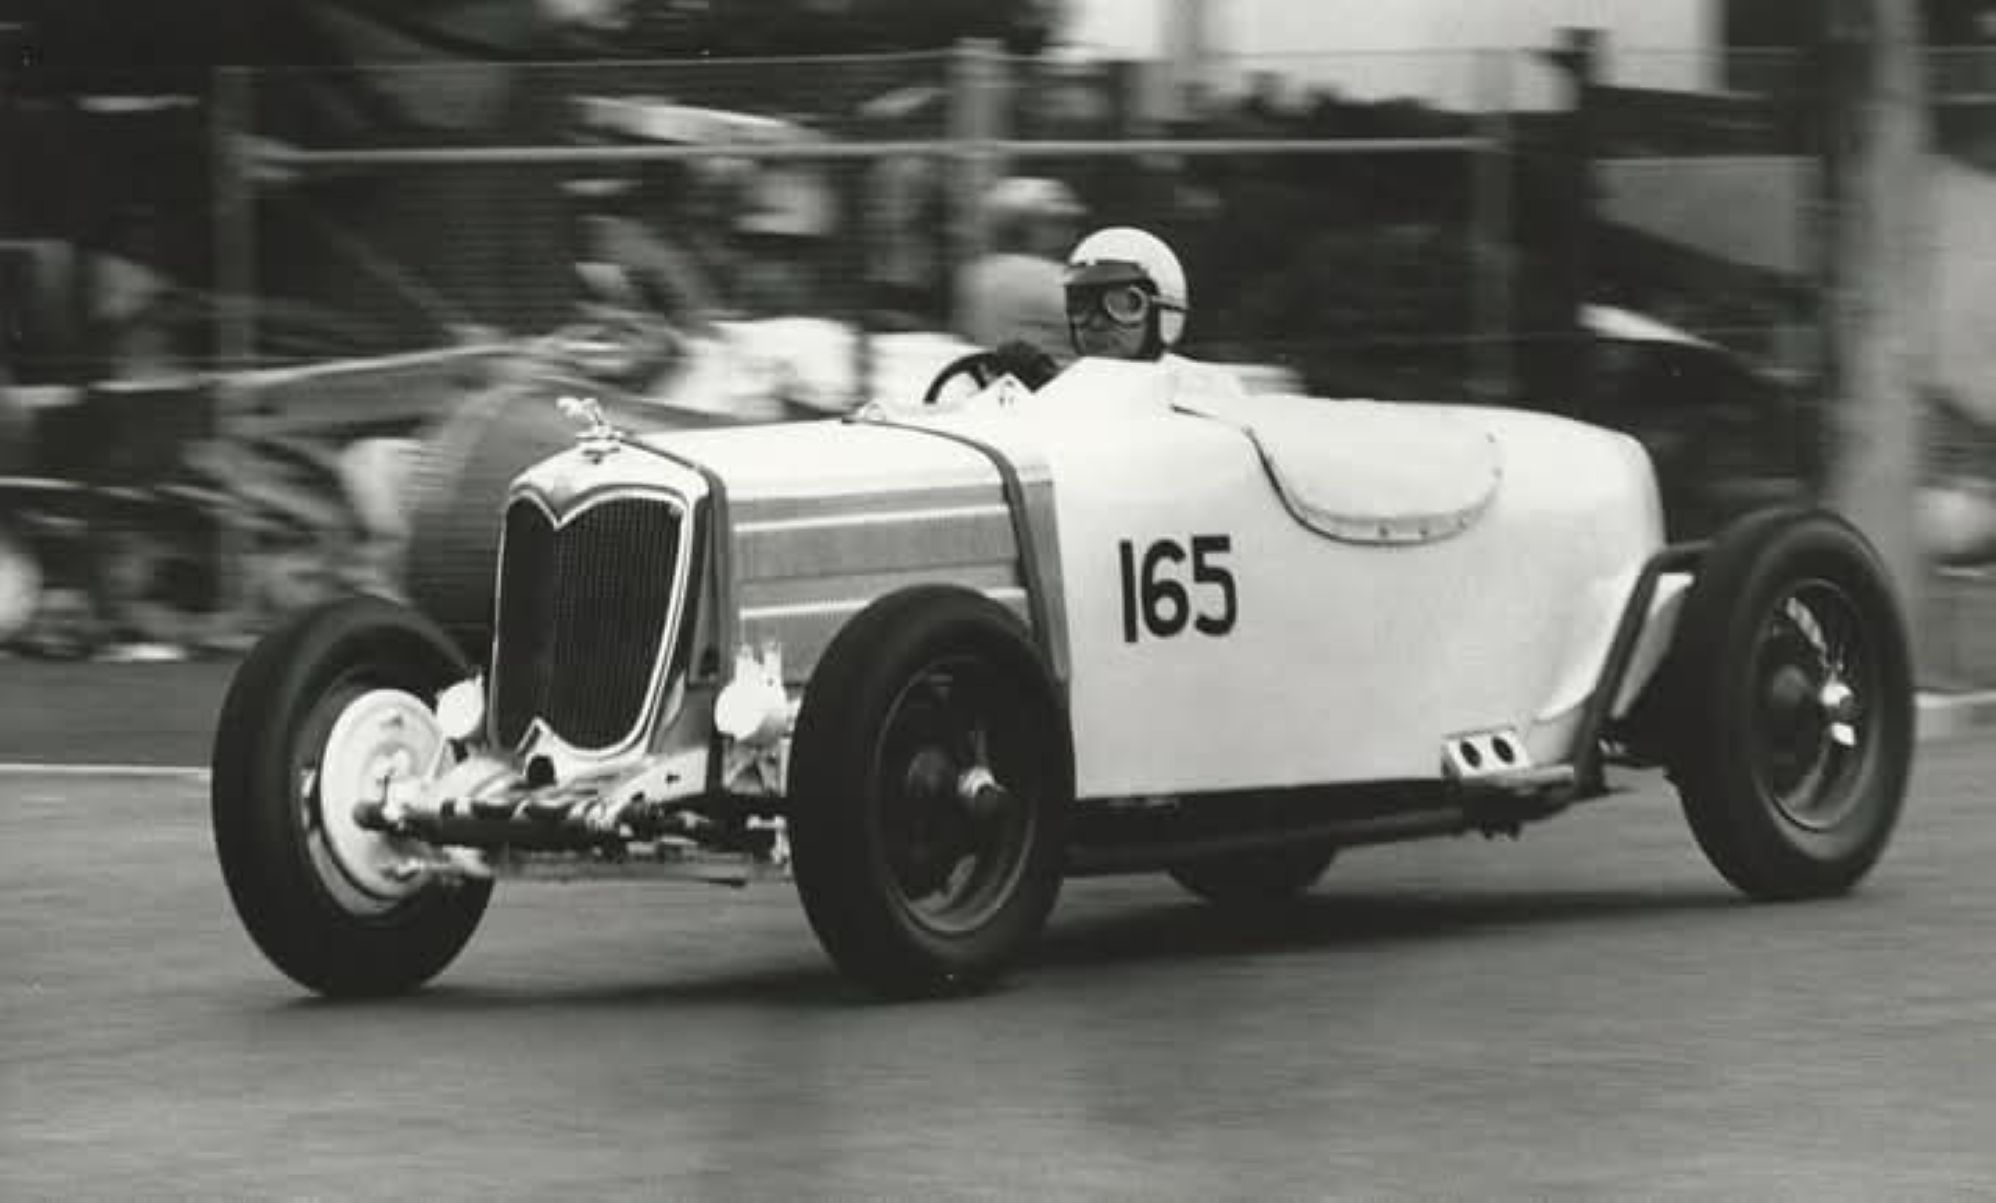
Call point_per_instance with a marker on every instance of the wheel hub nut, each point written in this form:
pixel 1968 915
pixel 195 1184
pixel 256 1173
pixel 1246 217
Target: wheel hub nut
pixel 980 792
pixel 928 775
pixel 1839 706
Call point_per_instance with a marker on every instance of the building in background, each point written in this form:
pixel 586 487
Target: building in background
pixel 1420 50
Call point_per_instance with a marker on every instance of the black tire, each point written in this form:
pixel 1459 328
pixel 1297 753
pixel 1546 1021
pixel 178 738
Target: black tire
pixel 1256 878
pixel 313 918
pixel 878 831
pixel 1791 611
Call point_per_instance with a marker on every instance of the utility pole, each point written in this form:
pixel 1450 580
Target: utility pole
pixel 1187 27
pixel 1877 236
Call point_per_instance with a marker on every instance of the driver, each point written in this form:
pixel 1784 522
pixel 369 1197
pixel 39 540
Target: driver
pixel 1126 295
pixel 1125 298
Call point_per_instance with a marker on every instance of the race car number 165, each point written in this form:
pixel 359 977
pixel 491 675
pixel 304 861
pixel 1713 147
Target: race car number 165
pixel 1162 595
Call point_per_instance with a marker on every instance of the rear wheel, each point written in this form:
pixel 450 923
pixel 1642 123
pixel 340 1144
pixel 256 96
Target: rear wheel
pixel 326 712
pixel 930 778
pixel 1260 877
pixel 1790 706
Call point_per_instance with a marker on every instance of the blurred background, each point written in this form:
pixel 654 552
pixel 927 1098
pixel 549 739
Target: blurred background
pixel 283 281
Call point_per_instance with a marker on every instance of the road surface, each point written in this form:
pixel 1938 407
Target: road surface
pixel 1586 1013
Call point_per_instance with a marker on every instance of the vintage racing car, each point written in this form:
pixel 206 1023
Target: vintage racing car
pixel 929 662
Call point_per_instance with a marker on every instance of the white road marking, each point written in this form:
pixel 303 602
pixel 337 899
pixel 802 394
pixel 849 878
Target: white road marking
pixel 29 769
pixel 1940 717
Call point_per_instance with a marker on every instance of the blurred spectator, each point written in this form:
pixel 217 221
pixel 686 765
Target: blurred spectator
pixel 624 255
pixel 1015 293
pixel 788 216
pixel 130 299
pixel 17 429
pixel 130 310
pixel 905 211
pixel 661 239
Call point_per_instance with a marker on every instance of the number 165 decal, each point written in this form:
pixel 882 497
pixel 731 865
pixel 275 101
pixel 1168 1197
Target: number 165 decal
pixel 1156 601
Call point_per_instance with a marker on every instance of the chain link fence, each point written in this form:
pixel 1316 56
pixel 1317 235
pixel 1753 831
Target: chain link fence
pixel 837 187
pixel 803 228
pixel 360 254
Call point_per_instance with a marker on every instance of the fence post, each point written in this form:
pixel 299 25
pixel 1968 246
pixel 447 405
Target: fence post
pixel 234 215
pixel 976 121
pixel 1879 256
pixel 1579 55
pixel 1492 241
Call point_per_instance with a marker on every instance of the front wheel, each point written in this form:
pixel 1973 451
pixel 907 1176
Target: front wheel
pixel 1790 721
pixel 929 785
pixel 326 712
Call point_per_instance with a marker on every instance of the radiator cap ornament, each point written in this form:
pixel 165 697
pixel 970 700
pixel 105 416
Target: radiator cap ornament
pixel 597 438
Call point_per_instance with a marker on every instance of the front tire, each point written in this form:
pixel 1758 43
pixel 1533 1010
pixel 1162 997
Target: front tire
pixel 324 708
pixel 930 780
pixel 1790 706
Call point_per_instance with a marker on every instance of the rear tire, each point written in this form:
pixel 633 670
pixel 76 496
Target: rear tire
pixel 1261 877
pixel 1789 720
pixel 913 888
pixel 307 882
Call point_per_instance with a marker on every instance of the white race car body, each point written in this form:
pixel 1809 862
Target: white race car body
pixel 1300 627
pixel 1347 656
pixel 939 660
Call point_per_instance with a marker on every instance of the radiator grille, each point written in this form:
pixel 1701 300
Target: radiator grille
pixel 584 608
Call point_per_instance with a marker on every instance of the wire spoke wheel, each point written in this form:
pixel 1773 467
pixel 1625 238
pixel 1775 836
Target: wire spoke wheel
pixel 1789 705
pixel 930 777
pixel 954 856
pixel 1809 730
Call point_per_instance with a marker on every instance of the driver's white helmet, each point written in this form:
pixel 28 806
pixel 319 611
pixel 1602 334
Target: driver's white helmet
pixel 1125 253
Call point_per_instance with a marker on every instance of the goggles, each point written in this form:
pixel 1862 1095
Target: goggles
pixel 1122 304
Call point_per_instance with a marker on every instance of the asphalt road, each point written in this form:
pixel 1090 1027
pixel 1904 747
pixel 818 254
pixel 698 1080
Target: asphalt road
pixel 1588 1013
pixel 57 712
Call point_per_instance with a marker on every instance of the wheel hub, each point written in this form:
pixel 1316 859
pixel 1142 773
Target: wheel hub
pixel 981 795
pixel 384 743
pixel 1791 700
pixel 955 830
pixel 1838 703
pixel 1811 711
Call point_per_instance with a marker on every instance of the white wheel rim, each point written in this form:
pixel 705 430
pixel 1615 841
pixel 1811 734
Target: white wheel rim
pixel 384 738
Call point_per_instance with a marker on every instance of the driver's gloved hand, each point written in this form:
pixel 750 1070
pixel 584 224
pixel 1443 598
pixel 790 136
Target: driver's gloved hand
pixel 1031 366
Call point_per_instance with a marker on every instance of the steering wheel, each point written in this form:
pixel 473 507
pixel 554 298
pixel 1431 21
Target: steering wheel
pixel 982 367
